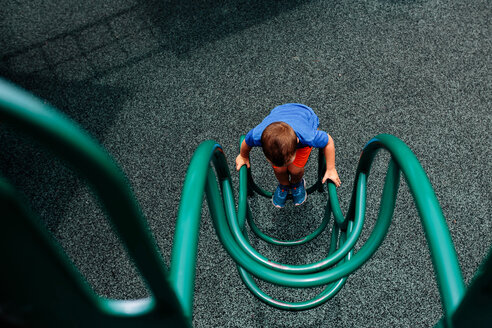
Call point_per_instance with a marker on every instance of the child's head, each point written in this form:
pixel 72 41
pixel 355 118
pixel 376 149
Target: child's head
pixel 279 143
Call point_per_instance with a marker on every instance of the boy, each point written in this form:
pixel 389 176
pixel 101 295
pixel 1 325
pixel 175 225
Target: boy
pixel 287 136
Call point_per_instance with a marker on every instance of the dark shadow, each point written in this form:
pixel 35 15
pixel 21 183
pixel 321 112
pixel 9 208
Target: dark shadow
pixel 38 173
pixel 134 34
pixel 91 51
pixel 63 70
pixel 50 186
pixel 184 25
pixel 92 105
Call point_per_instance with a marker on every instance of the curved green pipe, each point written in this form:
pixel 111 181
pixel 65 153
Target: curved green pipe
pixel 449 287
pixel 335 205
pixel 298 269
pixel 295 242
pixel 183 256
pixel 443 254
pixel 329 292
pixel 69 142
pixel 312 279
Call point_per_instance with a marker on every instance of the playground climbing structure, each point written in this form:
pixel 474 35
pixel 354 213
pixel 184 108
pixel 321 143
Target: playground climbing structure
pixel 35 267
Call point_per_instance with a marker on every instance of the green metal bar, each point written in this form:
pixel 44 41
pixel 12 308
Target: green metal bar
pixel 230 238
pixel 183 256
pixel 23 238
pixel 69 142
pixel 313 267
pixel 328 293
pixel 443 254
pixel 319 278
pixel 66 140
pixel 451 287
pixel 295 242
pixel 475 309
pixel 335 205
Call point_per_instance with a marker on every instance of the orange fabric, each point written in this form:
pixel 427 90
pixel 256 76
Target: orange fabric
pixel 302 156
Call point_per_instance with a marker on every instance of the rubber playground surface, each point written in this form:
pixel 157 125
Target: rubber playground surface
pixel 150 80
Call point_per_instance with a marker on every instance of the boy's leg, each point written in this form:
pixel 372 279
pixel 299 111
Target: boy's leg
pixel 282 175
pixel 296 173
pixel 298 185
pixel 283 188
pixel 296 170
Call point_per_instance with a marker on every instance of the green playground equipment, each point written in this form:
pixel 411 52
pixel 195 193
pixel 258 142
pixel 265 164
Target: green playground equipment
pixel 47 289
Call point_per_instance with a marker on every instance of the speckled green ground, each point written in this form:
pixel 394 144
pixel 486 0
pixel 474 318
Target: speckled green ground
pixel 152 79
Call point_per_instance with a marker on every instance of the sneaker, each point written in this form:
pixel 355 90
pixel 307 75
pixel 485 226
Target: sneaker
pixel 280 196
pixel 299 193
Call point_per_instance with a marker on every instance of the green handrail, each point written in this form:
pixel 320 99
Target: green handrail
pixel 23 237
pixel 171 297
pixel 229 226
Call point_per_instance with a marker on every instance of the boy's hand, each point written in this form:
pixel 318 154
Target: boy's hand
pixel 333 176
pixel 240 161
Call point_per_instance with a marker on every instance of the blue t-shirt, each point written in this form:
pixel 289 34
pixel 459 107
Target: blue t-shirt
pixel 300 117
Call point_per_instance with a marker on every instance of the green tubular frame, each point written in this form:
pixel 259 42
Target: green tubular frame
pixel 38 271
pixel 229 226
pixel 37 266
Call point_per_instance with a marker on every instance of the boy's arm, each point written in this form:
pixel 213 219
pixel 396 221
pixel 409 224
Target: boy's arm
pixel 243 157
pixel 331 172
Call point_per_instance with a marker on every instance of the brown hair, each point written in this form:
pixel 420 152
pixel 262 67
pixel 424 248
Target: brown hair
pixel 279 143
